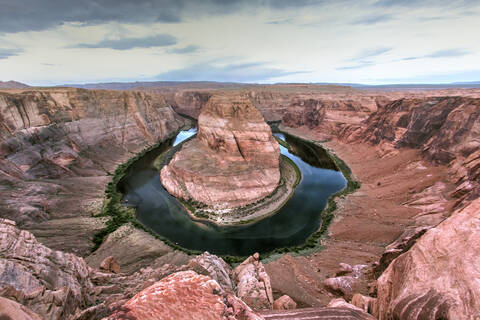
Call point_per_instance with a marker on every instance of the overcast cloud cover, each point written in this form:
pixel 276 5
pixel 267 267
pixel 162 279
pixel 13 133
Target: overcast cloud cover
pixel 45 42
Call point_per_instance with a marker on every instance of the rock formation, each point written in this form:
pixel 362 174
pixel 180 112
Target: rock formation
pixel 184 295
pixel 445 129
pixel 435 279
pixel 253 283
pixel 284 303
pixel 51 283
pixel 58 148
pixel 233 161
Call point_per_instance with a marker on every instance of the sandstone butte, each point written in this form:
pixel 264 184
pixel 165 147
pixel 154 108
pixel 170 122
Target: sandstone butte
pixel 233 161
pixel 405 246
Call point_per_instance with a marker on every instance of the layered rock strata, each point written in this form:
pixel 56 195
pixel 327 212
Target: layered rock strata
pixel 233 161
pixel 51 283
pixel 435 279
pixel 58 148
pixel 185 295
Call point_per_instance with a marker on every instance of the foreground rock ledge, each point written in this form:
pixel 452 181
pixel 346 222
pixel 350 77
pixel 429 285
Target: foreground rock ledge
pixel 233 161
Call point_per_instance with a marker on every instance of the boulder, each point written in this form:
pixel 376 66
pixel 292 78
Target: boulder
pixel 367 304
pixel 284 303
pixel 110 264
pixel 184 295
pixel 11 310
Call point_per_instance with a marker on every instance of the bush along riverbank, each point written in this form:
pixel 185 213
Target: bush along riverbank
pixel 119 214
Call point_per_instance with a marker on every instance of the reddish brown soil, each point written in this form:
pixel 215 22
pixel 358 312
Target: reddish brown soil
pixel 366 221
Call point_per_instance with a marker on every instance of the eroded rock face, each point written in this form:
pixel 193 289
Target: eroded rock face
pixel 253 283
pixel 445 129
pixel 57 148
pixel 435 278
pixel 184 295
pixel 214 267
pixel 51 283
pixel 233 161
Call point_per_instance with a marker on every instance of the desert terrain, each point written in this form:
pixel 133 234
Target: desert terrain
pixel 402 246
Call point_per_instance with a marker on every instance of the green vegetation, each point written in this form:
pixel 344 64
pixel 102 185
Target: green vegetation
pixel 283 143
pixel 119 214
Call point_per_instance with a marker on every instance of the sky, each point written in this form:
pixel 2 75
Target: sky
pixel 51 42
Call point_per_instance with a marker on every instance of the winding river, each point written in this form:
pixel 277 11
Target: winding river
pixel 291 226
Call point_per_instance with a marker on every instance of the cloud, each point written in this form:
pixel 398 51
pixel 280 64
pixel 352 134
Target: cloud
pixel 281 21
pixel 35 15
pixel 7 53
pixel 161 40
pixel 244 72
pixel 370 53
pixel 184 50
pixel 372 19
pixel 363 59
pixel 448 53
pixel 426 3
pixel 361 64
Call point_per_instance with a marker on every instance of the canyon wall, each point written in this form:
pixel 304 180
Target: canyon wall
pixel 58 148
pixel 445 129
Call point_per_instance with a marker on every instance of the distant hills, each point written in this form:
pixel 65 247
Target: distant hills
pixel 233 85
pixel 167 85
pixel 12 85
pixel 157 84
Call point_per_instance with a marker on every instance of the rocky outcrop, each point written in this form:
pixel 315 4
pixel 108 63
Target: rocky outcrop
pixel 233 161
pixel 135 249
pixel 253 283
pixel 190 103
pixel 51 283
pixel 110 264
pixel 184 295
pixel 57 285
pixel 214 267
pixel 346 279
pixel 434 279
